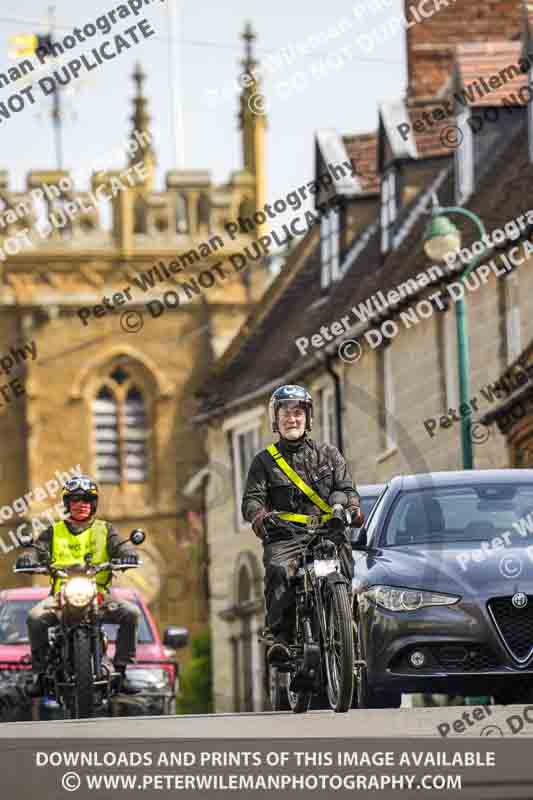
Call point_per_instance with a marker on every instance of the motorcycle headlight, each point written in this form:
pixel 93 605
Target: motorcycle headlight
pixel 323 567
pixel 395 599
pixel 79 592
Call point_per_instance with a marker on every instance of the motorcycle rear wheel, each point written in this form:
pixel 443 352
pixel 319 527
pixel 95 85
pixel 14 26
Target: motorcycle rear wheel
pixel 339 655
pixel 82 701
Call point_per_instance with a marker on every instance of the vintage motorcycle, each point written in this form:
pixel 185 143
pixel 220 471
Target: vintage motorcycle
pixel 322 651
pixel 78 675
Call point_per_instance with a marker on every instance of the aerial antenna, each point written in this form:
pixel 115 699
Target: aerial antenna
pixel 174 72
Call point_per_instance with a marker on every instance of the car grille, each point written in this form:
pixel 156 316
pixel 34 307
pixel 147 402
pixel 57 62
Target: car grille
pixel 14 703
pixel 515 625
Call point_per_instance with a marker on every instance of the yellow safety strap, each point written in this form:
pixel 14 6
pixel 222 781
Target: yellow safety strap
pixel 303 486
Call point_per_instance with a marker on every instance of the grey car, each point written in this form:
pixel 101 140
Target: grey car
pixel 443 588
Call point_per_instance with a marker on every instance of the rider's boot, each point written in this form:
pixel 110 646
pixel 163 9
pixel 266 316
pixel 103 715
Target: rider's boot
pixel 279 652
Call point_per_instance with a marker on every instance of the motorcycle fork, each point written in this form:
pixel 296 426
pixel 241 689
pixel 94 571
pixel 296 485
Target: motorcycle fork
pixel 96 645
pixel 311 649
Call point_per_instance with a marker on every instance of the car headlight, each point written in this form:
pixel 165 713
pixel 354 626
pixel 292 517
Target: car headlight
pixel 395 599
pixel 79 592
pixel 150 680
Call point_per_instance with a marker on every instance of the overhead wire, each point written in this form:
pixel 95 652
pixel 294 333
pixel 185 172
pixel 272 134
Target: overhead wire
pixel 204 43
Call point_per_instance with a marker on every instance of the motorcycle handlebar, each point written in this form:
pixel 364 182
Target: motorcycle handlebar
pixel 47 569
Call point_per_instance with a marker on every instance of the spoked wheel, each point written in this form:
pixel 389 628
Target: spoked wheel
pixel 340 648
pixel 278 689
pixel 82 700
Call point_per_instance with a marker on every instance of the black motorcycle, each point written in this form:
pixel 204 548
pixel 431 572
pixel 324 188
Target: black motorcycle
pixel 322 651
pixel 78 676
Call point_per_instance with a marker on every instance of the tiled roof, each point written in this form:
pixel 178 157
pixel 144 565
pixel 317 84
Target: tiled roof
pixel 269 352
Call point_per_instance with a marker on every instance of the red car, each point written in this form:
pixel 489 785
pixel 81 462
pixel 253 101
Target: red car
pixel 155 671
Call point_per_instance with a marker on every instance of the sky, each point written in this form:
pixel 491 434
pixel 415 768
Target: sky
pixel 325 87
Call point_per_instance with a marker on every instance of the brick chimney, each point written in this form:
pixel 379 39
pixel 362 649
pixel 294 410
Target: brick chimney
pixel 431 41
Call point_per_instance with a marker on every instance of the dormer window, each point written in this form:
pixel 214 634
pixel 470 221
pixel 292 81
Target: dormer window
pixel 389 207
pixel 464 159
pixel 330 247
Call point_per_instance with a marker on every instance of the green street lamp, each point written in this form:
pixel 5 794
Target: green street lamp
pixel 442 237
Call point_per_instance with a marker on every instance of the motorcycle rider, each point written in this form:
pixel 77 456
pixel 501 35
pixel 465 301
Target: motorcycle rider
pixel 275 483
pixel 68 542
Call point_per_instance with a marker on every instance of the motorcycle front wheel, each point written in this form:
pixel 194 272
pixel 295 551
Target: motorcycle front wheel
pixel 82 700
pixel 339 655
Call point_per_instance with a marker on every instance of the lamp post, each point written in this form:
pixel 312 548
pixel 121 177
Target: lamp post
pixel 440 238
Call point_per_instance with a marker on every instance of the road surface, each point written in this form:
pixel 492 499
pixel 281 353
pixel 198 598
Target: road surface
pixel 508 721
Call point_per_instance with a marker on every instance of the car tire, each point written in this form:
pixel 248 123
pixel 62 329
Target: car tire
pixel 364 696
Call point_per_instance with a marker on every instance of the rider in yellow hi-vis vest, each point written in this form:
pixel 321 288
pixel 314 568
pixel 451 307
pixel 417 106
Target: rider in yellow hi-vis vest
pixel 67 543
pixel 294 477
pixel 71 548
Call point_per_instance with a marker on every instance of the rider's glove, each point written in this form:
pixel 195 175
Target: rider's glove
pixel 25 562
pixel 130 558
pixel 258 525
pixel 356 513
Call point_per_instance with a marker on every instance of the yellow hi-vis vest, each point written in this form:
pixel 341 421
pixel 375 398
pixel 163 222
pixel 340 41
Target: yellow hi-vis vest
pixel 69 549
pixel 302 485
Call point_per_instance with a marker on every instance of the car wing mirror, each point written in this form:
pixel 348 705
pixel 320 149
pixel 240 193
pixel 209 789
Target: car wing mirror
pixel 359 538
pixel 176 637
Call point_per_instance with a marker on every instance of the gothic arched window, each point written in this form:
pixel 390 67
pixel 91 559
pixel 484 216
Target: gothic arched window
pixel 120 430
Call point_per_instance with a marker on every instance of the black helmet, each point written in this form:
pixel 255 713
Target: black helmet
pixel 290 393
pixel 80 487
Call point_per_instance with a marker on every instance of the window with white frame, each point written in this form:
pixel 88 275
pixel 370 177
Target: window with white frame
pixel 446 349
pixel 389 209
pixel 464 159
pixel 245 446
pixel 329 247
pixel 326 417
pixel 387 422
pixel 510 317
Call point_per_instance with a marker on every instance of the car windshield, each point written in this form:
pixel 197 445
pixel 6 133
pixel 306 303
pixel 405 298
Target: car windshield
pixel 13 615
pixel 466 513
pixel 13 628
